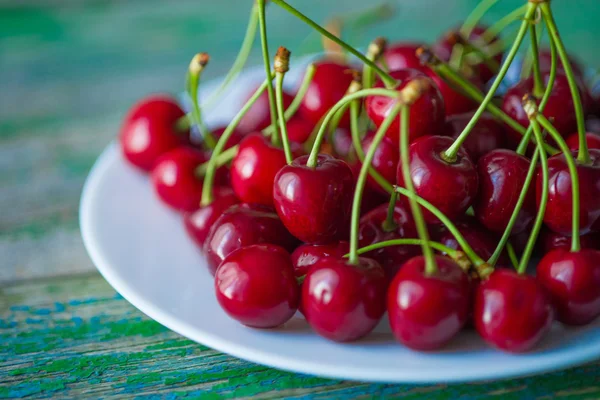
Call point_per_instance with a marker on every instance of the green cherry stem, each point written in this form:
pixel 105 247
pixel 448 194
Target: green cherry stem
pixel 512 256
pixel 450 153
pixel 583 156
pixel 401 242
pixel 211 168
pixel 197 65
pixel 281 66
pixel 389 224
pixel 362 179
pixel 374 51
pixel 267 63
pixel 384 76
pixel 571 163
pixel 538 84
pixel 222 159
pixel 493 31
pixel 515 214
pixel 475 16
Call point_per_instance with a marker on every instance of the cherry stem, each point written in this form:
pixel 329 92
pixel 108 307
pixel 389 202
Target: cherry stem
pixel 475 16
pixel 362 179
pixel 462 242
pixel 388 80
pixel 575 243
pixel 356 143
pixel 295 104
pixel 195 69
pixel 374 51
pixel 267 63
pixel 485 56
pixel 401 242
pixel 183 123
pixel 539 219
pixel 222 159
pixel 430 264
pixel 493 31
pixel 281 66
pixel 452 151
pixel 389 224
pixel 538 84
pixel 515 214
pixel 512 256
pixel 312 158
pixel 240 60
pixel 583 156
pixel 207 192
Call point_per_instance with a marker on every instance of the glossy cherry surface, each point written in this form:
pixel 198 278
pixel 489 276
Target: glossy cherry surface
pixel 573 281
pixel 344 302
pixel 299 129
pixel 244 225
pixel 149 131
pixel 372 230
pixel 198 223
pixel 502 174
pixel 487 134
pixel 258 116
pixel 253 169
pixel 174 179
pixel 427 311
pixel 512 312
pixel 385 160
pixel 329 84
pixel 451 187
pixel 592 139
pixel 550 240
pixel 256 286
pixel 314 204
pixel 402 55
pixel 307 255
pixel 559 212
pixel 426 114
pixel 455 100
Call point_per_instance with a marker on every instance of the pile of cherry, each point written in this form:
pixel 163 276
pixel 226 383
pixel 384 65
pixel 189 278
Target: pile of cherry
pixel 401 184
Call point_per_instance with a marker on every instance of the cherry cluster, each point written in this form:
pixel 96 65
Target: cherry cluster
pixel 394 180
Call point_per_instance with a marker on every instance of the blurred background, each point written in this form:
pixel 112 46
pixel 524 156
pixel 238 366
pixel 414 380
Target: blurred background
pixel 69 70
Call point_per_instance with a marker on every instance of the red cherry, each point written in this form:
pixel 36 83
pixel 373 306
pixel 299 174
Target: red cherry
pixel 299 130
pixel 502 174
pixel 371 230
pixel 307 255
pixel 426 114
pixel 573 281
pixel 253 169
pixel 244 225
pixel 199 222
pixel 592 140
pixel 551 240
pixel 427 311
pixel 402 55
pixel 175 181
pixel 329 84
pixel 451 187
pixel 487 134
pixel 512 312
pixel 149 131
pixel 258 116
pixel 344 302
pixel 315 204
pixel 558 216
pixel 455 101
pixel 236 137
pixel 385 160
pixel 545 57
pixel 256 286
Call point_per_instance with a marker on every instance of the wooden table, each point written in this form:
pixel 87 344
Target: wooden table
pixel 69 70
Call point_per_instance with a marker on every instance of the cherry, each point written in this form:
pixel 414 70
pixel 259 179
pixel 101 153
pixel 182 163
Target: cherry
pixel 329 84
pixel 299 130
pixel 385 160
pixel 487 134
pixel 258 116
pixel 426 114
pixel 573 281
pixel 402 55
pixel 314 204
pixel 512 312
pixel 425 312
pixel 253 169
pixel 256 286
pixel 455 101
pixel 551 240
pixel 199 222
pixel 451 187
pixel 592 140
pixel 545 60
pixel 244 225
pixel 307 255
pixel 371 230
pixel 558 216
pixel 175 181
pixel 344 302
pixel 236 137
pixel 149 131
pixel 502 174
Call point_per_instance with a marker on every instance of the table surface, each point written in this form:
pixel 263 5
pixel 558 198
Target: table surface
pixel 69 70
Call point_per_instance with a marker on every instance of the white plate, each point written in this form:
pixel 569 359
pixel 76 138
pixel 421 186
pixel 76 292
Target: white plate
pixel 142 250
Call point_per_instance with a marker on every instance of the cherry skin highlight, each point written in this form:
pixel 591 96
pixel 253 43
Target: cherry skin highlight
pixel 149 131
pixel 307 255
pixel 402 55
pixel 344 302
pixel 255 285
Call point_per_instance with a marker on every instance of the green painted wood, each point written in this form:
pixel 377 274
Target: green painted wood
pixel 75 337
